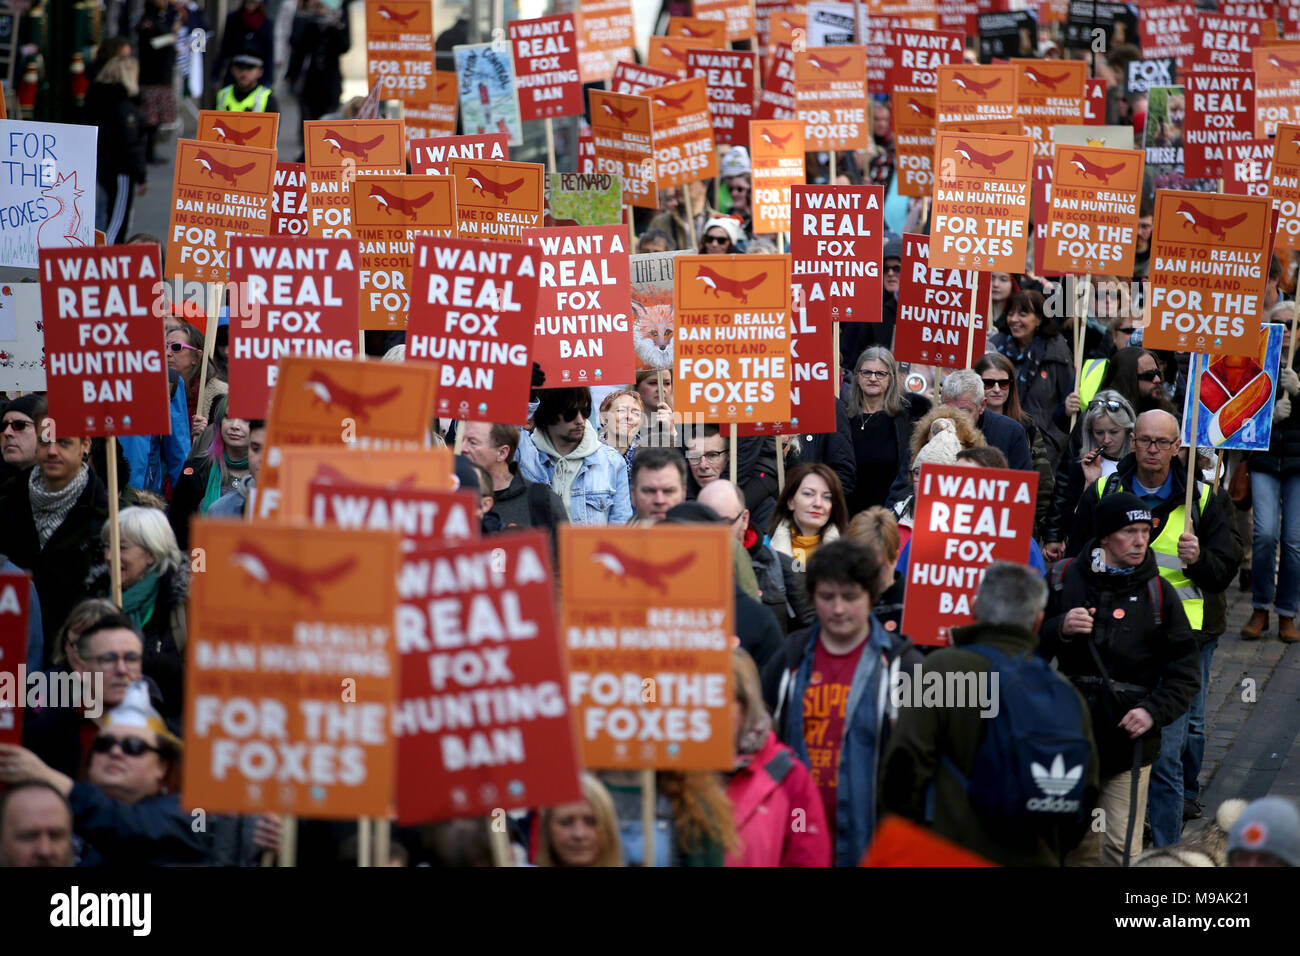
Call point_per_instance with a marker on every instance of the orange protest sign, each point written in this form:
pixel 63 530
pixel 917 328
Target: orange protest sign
pixel 219 191
pixel 338 151
pixel 1092 218
pixel 605 36
pixel 732 342
pixel 1209 266
pixel 1284 186
pixel 649 604
pixel 623 137
pixel 739 16
pixel 669 53
pixel 830 95
pixel 303 467
pixel 695 28
pixel 1277 90
pixel 399 58
pixel 778 163
pixel 276 628
pixel 981 201
pixel 966 93
pixel 914 118
pixel 683 133
pixel 388 213
pixel 497 200
pixel 446 101
pixel 1049 93
pixel 238 129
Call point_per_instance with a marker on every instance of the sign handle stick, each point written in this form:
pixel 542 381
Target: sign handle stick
pixel 648 776
pixel 501 855
pixel 836 384
pixel 114 532
pixel 780 243
pixel 832 168
pixel 732 454
pixel 550 144
pixel 690 219
pixel 363 841
pixel 1191 451
pixel 288 840
pixel 383 841
pixel 1079 327
pixel 460 437
pixel 970 324
pixel 1218 469
pixel 1290 352
pixel 210 336
pixel 780 464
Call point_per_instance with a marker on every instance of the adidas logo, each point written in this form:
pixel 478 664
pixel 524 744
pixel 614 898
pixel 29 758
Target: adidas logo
pixel 1057 781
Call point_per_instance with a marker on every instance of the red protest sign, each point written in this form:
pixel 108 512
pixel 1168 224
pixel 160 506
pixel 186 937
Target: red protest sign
pixel 1224 43
pixel 778 166
pixel 473 305
pixel 812 393
pixel 1167 31
pixel 422 516
pixel 623 138
pixel 105 368
pixel 683 133
pixel 497 201
pixel 1094 105
pixel 731 76
pixel 1092 219
pixel 1221 112
pixel 981 201
pixel 15 600
pixel 1249 168
pixel 966 518
pixel 918 56
pixel 635 78
pixel 583 334
pixel 545 52
pixel 831 96
pixel 481 717
pixel 777 98
pixel 289 200
pixel 1277 71
pixel 429 157
pixel 913 116
pixel 836 240
pixel 1040 201
pixel 934 309
pixel 296 297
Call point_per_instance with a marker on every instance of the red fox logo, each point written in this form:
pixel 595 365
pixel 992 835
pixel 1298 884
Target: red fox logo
pixel 391 203
pixel 328 474
pixel 331 394
pixel 974 86
pixel 673 53
pixel 482 185
pixel 214 167
pixel 1089 169
pixel 619 564
pixel 973 157
pixel 1043 79
pixel 828 66
pixel 773 140
pixel 920 108
pixel 613 112
pixel 234 135
pixel 690 31
pixel 1199 220
pixel 343 146
pixel 736 288
pixel 675 102
pixel 1289 66
pixel 267 570
pixel 400 18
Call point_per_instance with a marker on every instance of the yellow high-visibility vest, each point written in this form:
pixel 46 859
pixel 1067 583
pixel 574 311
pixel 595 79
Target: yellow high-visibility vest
pixel 254 102
pixel 1094 370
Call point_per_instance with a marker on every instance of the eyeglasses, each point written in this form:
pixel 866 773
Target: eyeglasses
pixel 130 658
pixel 737 190
pixel 1152 376
pixel 716 240
pixel 872 373
pixel 889 269
pixel 131 746
pixel 712 457
pixel 177 346
pixel 996 382
pixel 1128 331
pixel 569 414
pixel 1164 444
pixel 726 520
pixel 17 424
pixel 1109 404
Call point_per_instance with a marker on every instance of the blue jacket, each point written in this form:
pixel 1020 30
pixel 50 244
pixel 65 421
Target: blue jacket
pixel 1008 437
pixel 599 493
pixel 35 630
pixel 153 832
pixel 149 455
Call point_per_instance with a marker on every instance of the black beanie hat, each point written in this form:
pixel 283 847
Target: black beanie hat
pixel 1120 510
pixel 32 405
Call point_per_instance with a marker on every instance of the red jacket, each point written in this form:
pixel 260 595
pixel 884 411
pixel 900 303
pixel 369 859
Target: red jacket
pixel 778 810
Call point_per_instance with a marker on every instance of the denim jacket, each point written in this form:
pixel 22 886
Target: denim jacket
pixel 599 494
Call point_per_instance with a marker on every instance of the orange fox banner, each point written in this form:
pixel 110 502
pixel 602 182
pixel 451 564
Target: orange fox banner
pixel 497 201
pixel 306 467
pixel 981 202
pixel 683 133
pixel 219 192
pixel 623 138
pixel 1049 93
pixel 338 151
pixel 388 213
pixel 399 55
pixel 669 53
pixel 276 629
pixel 1277 95
pixel 1284 187
pixel 1092 218
pixel 446 103
pixel 965 93
pixel 732 343
pixel 429 157
pixel 605 36
pixel 695 28
pixel 914 119
pixel 778 164
pixel 830 94
pixel 1209 265
pixel 238 129
pixel 647 638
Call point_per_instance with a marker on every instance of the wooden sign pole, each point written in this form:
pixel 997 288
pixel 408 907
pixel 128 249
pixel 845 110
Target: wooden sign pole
pixel 500 840
pixel 970 322
pixel 550 144
pixel 690 219
pixel 648 794
pixel 114 532
pixel 735 430
pixel 1191 451
pixel 1080 327
pixel 213 290
pixel 780 465
pixel 363 841
pixel 383 841
pixel 288 840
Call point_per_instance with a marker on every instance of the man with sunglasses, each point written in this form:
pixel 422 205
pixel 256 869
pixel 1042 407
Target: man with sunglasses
pixel 18 434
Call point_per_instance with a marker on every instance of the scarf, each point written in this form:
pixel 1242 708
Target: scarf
pixel 566 466
pixel 49 508
pixel 138 600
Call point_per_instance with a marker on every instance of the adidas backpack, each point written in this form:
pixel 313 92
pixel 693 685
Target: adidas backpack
pixel 1029 768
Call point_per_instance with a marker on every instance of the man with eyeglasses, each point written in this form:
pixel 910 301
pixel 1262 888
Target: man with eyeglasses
pixel 706 454
pixel 729 502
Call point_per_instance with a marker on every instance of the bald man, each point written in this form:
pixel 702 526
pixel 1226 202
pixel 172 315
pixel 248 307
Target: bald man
pixel 729 502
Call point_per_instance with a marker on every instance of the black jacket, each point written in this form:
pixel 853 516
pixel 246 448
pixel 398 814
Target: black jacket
pixel 187 498
pixel 1002 433
pixel 834 449
pixel 316 44
pixel 120 146
pixel 153 832
pixel 1160 665
pixel 915 408
pixel 1283 455
pixel 857 337
pixel 1044 377
pixel 757 629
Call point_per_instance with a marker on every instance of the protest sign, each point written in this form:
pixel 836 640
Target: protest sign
pixel 919 54
pixel 636 78
pixel 981 201
pixel 219 192
pixel 830 24
pixel 697 29
pixel 783 26
pixel 1222 112
pixel 1007 33
pixel 292 297
pixel 400 60
pixel 1237 395
pixel 623 138
pixel 777 98
pixel 473 305
pixel 652 306
pixel 732 342
pixel 777 151
pixel 481 719
pixel 830 97
pixel 647 636
pixel 1167 32
pixel 1048 93
pixel 583 199
pixel 420 515
pixel 22 338
pixel 1117 23
pixel 1092 218
pixel 107 372
pixel 583 334
pixel 836 239
pixel 668 54
pixel 1224 43
pixel 960 15
pixel 683 133
pixel 1277 95
pixel 489 102
pixel 289 200
pixel 429 157
pixel 304 467
pixel 935 309
pixel 546 66
pixel 605 36
pixel 966 518
pixel 812 392
pixel 446 102
pixel 388 212
pixel 731 77
pixel 15 608
pixel 914 117
pixel 238 129
pixel 1284 187
pixel 1144 74
pixel 49 189
pixel 290 676
pixel 1207 284
pixel 739 15
pixel 971 93
pixel 337 153
pixel 1040 198
pixel 1248 169
pixel 496 200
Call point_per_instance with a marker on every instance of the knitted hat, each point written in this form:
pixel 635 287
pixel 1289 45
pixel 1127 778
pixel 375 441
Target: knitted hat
pixel 735 162
pixel 1269 825
pixel 691 512
pixel 942 447
pixel 137 712
pixel 893 249
pixel 728 225
pixel 32 405
pixel 1119 511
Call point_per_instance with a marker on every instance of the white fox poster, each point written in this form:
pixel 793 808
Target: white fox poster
pixel 47 189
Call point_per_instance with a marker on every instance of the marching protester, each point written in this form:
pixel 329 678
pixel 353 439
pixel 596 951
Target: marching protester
pixel 810 512
pixel 584 833
pixel 1044 366
pixel 222 468
pixel 1002 396
pixel 519 503
pixel 120 163
pixel 185 356
pixel 881 418
pixel 658 483
pixel 247 93
pixel 234 503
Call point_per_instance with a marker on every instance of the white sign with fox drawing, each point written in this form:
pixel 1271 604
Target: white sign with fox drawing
pixel 47 181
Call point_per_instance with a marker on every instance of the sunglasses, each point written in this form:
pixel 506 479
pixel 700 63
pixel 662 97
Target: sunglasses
pixel 1109 405
pixel 569 414
pixel 177 346
pixel 17 424
pixel 716 240
pixel 1129 331
pixel 734 190
pixel 131 746
pixel 996 382
pixel 890 269
pixel 1151 376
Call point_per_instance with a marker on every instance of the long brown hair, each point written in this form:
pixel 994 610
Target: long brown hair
pixel 1012 407
pixel 839 516
pixel 701 811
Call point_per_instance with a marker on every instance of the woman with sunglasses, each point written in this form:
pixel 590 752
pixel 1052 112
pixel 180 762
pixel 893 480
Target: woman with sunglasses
pixel 881 415
pixel 218 471
pixel 1001 395
pixel 185 356
pixel 721 236
pixel 1043 363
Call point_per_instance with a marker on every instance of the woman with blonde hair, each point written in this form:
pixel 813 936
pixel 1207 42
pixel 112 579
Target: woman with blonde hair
pixel 881 415
pixel 584 833
pixel 622 413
